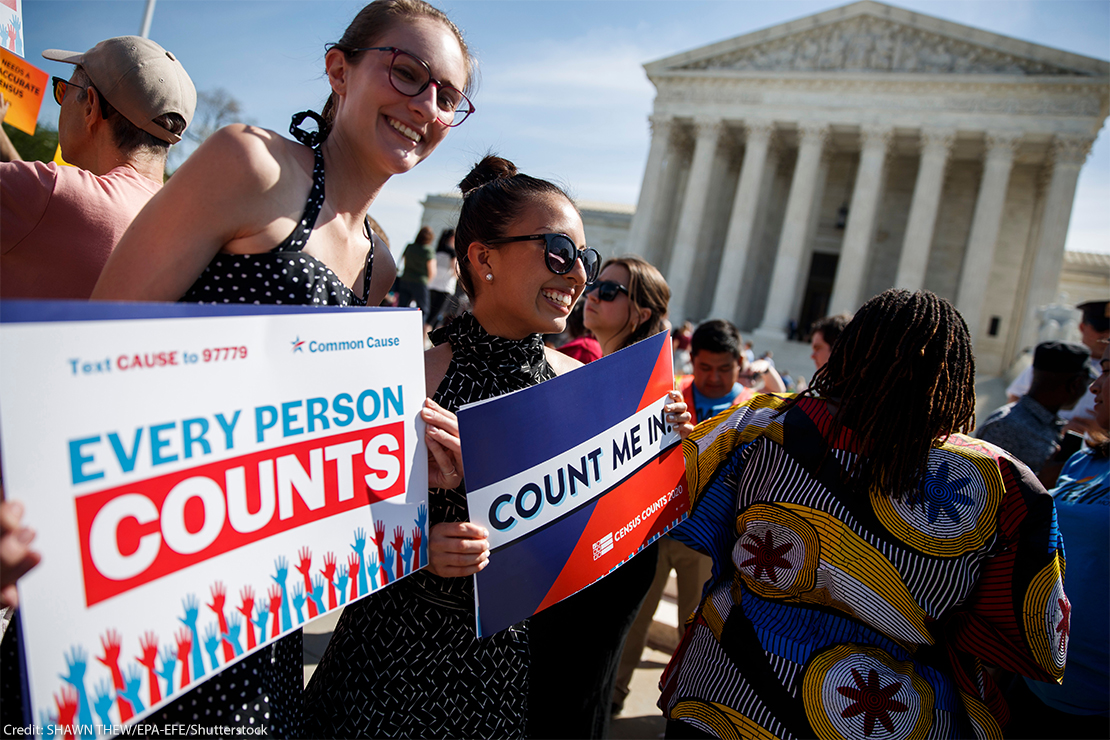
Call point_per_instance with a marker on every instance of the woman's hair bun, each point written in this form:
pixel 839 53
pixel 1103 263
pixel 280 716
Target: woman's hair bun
pixel 489 169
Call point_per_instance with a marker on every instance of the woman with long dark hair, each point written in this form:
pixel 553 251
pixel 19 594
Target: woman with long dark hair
pixel 870 561
pixel 247 219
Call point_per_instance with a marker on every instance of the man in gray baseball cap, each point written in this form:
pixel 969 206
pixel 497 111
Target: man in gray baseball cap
pixel 126 102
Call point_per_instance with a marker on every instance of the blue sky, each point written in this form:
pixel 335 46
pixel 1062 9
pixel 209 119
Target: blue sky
pixel 563 92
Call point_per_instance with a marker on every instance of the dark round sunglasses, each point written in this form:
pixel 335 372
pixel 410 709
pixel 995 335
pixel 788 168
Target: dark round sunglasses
pixel 410 75
pixel 607 290
pixel 60 87
pixel 560 253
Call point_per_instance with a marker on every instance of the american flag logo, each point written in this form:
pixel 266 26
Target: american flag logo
pixel 604 545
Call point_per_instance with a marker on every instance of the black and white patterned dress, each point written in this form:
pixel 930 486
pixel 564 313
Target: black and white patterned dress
pixel 405 662
pixel 265 689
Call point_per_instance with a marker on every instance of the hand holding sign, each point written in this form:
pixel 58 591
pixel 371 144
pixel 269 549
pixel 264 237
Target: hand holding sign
pixel 458 549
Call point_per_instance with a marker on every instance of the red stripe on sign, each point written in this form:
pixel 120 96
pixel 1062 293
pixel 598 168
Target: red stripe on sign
pixel 661 380
pixel 145 530
pixel 635 512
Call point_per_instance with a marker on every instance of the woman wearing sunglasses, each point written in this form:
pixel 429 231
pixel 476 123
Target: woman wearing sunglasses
pixel 627 303
pixel 576 645
pixel 411 649
pixel 247 219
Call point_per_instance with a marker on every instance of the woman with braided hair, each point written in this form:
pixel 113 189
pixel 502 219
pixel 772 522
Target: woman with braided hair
pixel 870 561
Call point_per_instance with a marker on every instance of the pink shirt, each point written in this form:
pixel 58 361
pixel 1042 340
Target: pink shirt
pixel 59 224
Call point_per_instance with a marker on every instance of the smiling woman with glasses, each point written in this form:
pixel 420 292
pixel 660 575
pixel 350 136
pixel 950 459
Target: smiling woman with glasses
pixel 247 219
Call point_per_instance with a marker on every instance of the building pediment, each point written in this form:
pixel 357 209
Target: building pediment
pixel 871 37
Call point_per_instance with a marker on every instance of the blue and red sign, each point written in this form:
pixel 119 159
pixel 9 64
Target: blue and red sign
pixel 572 478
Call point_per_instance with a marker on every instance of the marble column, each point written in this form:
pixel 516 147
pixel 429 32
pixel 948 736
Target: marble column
pixel 851 269
pixel 681 264
pixel 742 220
pixel 784 277
pixel 936 146
pixel 647 205
pixel 1068 155
pixel 985 224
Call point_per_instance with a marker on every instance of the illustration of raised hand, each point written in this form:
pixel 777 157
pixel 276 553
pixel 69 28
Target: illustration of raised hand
pixel 407 552
pixel 246 608
pixel 192 611
pixel 48 719
pixel 298 601
pixel 212 644
pixel 231 637
pixel 261 614
pixel 305 568
pixel 276 598
pixel 418 550
pixel 149 645
pixel 398 546
pixel 372 570
pixel 317 595
pixel 354 570
pixel 77 661
pixel 167 666
pixel 379 539
pixel 67 705
pixel 386 563
pixel 131 692
pixel 359 555
pixel 185 643
pixel 103 700
pixel 219 598
pixel 341 584
pixel 329 575
pixel 282 566
pixel 110 642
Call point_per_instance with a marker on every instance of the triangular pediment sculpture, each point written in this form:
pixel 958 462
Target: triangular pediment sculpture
pixel 873 37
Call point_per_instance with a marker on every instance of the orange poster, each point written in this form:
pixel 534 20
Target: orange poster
pixel 23 85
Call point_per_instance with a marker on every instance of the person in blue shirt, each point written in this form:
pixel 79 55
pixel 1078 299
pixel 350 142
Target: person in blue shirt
pixel 1080 706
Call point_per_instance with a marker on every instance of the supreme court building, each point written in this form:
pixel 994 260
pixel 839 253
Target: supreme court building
pixel 796 171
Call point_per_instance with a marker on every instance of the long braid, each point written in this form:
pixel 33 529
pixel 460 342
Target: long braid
pixel 903 378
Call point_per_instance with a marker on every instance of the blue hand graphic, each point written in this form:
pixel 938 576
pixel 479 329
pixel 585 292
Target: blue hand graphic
pixel 212 644
pixel 387 566
pixel 261 615
pixel 317 594
pixel 341 581
pixel 360 547
pixel 282 566
pixel 168 666
pixel 372 569
pixel 234 627
pixel 298 601
pixel 422 522
pixel 192 610
pixel 103 701
pixel 407 552
pixel 77 660
pixel 133 680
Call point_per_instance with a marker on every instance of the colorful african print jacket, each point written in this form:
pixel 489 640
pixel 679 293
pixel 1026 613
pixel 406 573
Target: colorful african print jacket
pixel 831 615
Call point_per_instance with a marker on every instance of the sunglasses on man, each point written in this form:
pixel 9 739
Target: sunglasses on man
pixel 560 253
pixel 607 290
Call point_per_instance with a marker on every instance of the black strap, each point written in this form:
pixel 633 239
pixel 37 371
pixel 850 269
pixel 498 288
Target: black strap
pixel 311 139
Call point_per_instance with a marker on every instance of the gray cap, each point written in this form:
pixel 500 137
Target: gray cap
pixel 139 78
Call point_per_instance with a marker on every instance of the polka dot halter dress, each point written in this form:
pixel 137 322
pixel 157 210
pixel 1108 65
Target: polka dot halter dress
pixel 285 275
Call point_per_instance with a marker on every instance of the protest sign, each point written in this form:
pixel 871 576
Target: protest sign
pixel 23 86
pixel 202 480
pixel 11 26
pixel 572 478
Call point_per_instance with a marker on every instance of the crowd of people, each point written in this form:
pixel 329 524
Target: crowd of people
pixel 855 562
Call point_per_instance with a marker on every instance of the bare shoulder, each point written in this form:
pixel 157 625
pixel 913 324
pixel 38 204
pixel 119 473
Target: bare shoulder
pixel 252 157
pixel 559 362
pixel 436 361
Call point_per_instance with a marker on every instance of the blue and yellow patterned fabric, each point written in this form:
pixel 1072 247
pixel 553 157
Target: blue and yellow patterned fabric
pixel 836 615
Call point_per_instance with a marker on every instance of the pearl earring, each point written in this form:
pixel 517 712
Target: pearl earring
pixel 489 277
